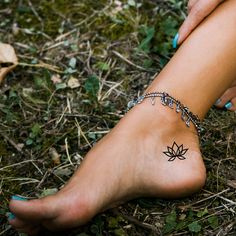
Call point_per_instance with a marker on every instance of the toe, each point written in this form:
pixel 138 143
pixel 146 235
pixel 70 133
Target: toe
pixel 23 227
pixel 17 223
pixel 31 231
pixel 231 106
pixel 50 213
pixel 33 210
pixel 226 97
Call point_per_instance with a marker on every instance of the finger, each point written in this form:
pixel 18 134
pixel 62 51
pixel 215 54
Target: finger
pixel 198 13
pixel 191 3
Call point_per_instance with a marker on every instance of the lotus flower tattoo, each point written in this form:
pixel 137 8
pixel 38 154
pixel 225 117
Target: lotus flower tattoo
pixel 176 152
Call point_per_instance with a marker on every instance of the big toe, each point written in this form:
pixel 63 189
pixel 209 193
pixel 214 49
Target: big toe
pixel 30 216
pixel 55 212
pixel 33 210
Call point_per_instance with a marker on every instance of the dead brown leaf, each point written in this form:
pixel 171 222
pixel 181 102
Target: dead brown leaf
pixel 8 59
pixel 56 158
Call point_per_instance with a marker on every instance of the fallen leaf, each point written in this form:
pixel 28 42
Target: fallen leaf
pixel 66 172
pixel 48 191
pixel 73 83
pixel 8 59
pixel 56 158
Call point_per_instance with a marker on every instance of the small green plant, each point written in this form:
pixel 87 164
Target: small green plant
pixel 213 221
pixel 92 87
pixel 194 222
pixel 103 66
pixel 148 33
pixel 35 135
pixel 194 227
pixel 171 222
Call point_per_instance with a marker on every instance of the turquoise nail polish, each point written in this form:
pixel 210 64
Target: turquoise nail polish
pixel 11 216
pixel 175 41
pixel 218 101
pixel 17 198
pixel 228 105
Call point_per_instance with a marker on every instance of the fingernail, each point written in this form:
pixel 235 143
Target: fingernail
pixel 17 198
pixel 175 41
pixel 11 216
pixel 228 105
pixel 218 101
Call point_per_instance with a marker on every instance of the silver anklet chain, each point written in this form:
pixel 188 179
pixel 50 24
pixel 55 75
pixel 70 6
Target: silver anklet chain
pixel 167 100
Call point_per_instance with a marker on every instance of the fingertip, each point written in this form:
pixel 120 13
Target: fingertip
pixel 191 4
pixel 183 32
pixel 175 41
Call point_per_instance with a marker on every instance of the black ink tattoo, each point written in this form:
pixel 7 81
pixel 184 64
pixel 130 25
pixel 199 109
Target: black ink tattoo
pixel 176 151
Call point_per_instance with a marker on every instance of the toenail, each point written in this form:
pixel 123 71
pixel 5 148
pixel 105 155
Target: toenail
pixel 218 101
pixel 228 105
pixel 17 198
pixel 11 216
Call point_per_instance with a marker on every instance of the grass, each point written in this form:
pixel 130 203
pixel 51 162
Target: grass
pixel 94 56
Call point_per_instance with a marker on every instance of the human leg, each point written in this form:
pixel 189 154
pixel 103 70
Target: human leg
pixel 129 162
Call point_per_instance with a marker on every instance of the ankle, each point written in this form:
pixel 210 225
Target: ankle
pixel 159 117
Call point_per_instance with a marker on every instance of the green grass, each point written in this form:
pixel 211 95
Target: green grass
pixel 113 55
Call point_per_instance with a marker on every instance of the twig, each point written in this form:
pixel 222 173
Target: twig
pixel 130 62
pixel 139 223
pixel 52 46
pixel 4 231
pixel 42 65
pixel 225 199
pixel 67 152
pixel 11 142
pixel 82 133
pixel 42 180
pixel 36 13
pixel 205 199
pixel 17 164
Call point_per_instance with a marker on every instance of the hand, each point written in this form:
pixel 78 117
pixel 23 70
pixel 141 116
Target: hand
pixel 198 10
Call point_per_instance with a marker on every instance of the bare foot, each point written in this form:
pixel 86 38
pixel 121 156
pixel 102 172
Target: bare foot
pixel 127 163
pixel 228 99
